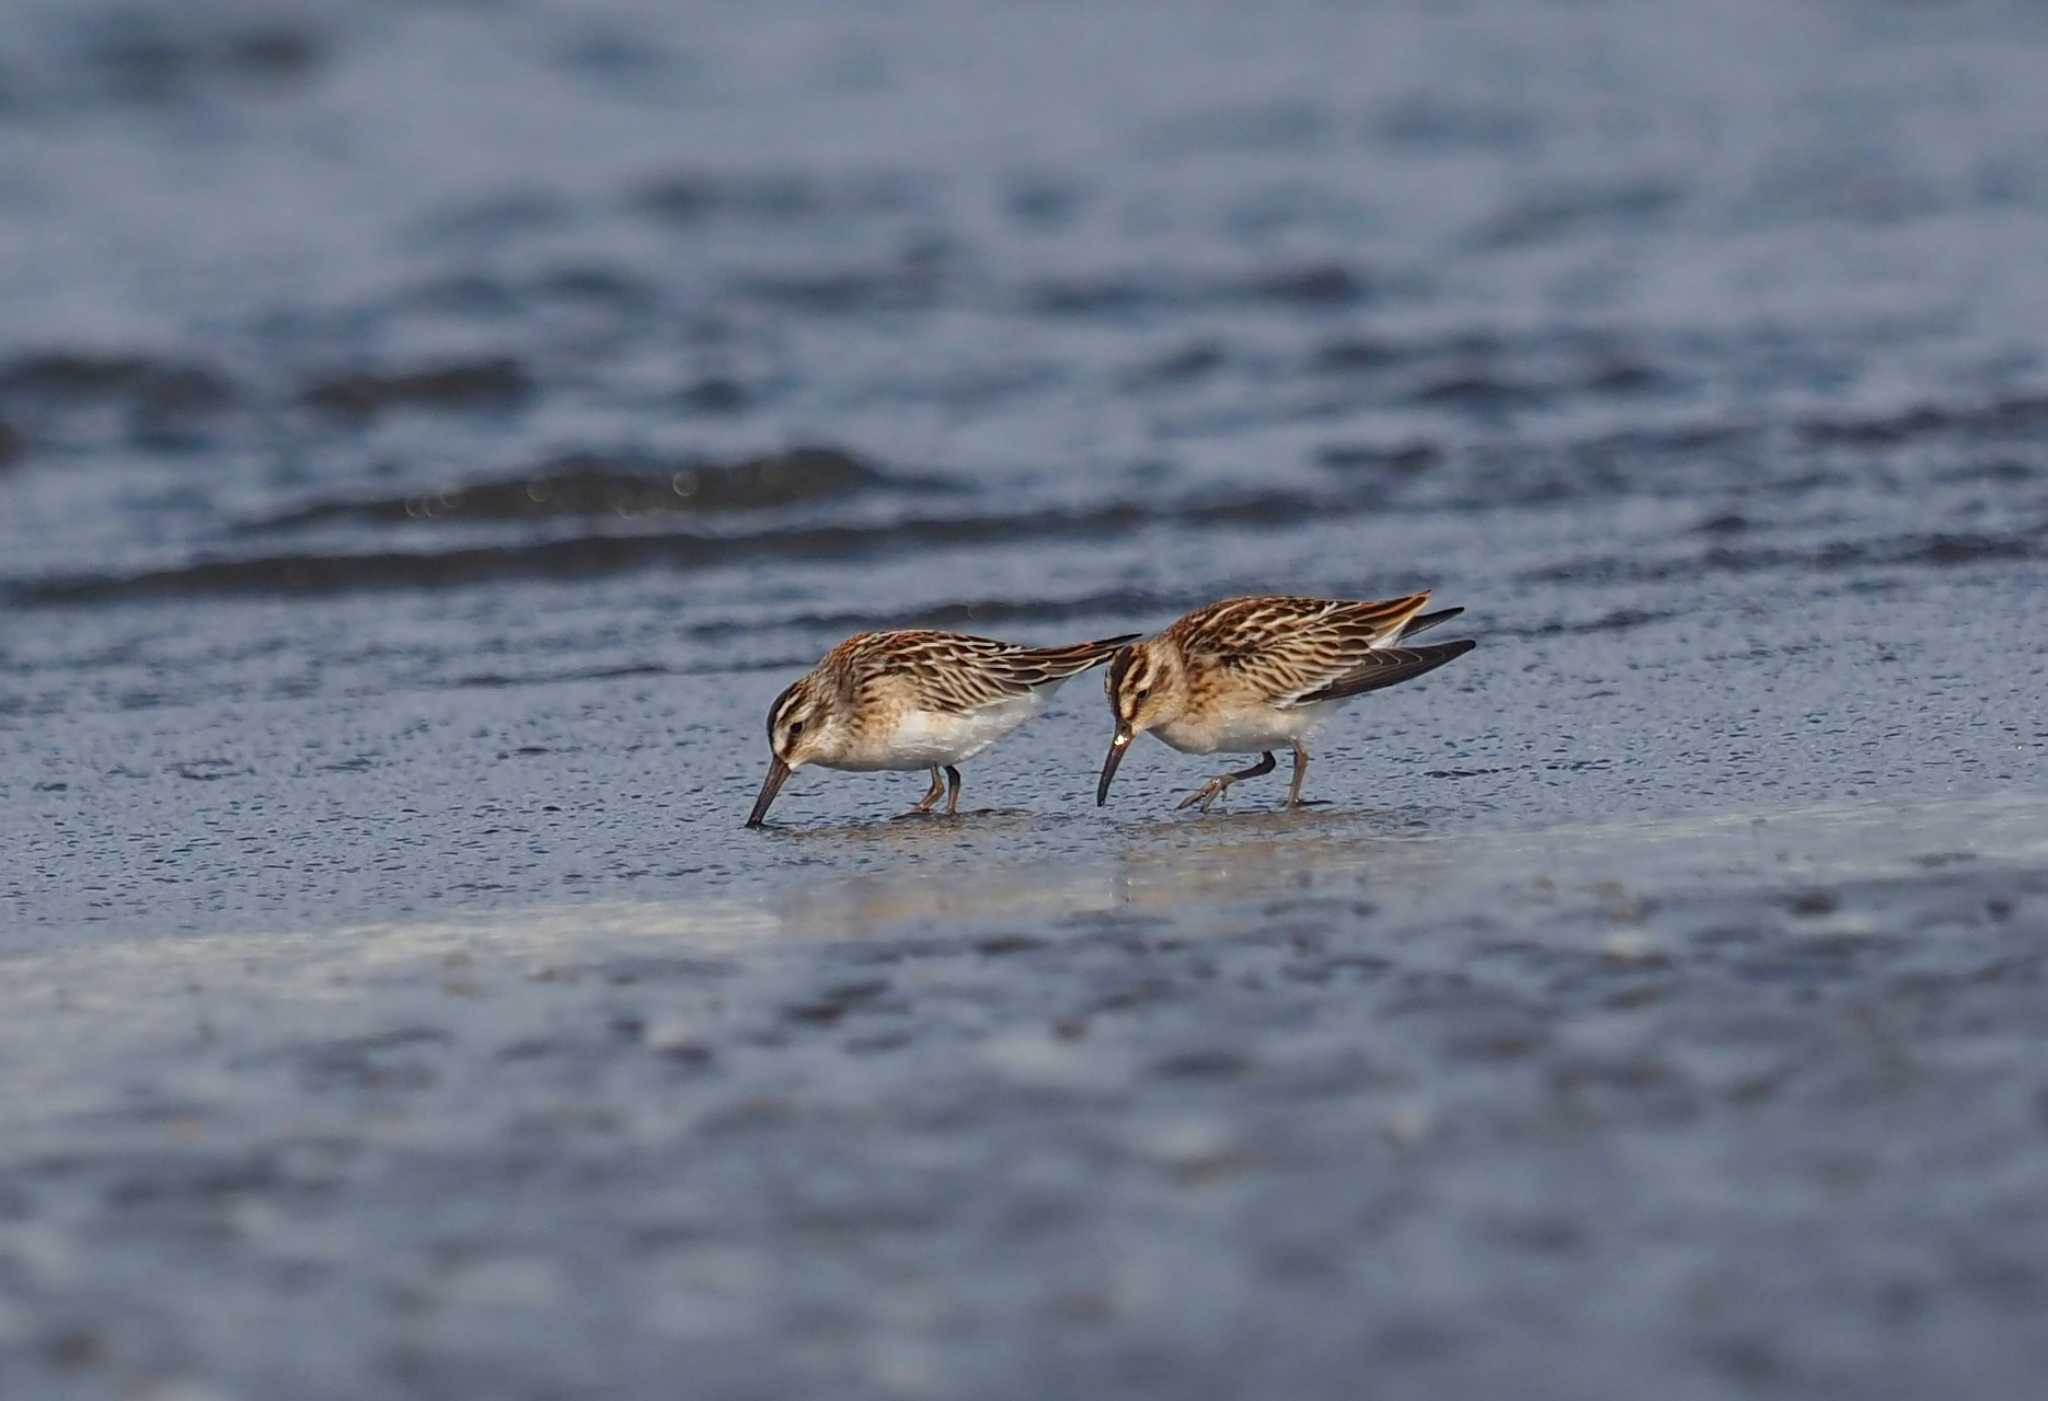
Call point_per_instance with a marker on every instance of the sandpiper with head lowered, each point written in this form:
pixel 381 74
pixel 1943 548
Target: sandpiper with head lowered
pixel 914 700
pixel 1248 675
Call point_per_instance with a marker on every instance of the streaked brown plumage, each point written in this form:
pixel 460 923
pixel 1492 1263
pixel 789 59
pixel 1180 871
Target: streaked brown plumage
pixel 914 700
pixel 1248 675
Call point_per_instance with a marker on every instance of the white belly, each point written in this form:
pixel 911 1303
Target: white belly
pixel 1248 731
pixel 923 738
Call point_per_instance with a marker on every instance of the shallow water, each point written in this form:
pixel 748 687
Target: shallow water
pixel 430 436
pixel 1747 1104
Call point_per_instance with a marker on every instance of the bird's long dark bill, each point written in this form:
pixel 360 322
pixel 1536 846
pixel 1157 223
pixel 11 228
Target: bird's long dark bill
pixel 778 774
pixel 1117 747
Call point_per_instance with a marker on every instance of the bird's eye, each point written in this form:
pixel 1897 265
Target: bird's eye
pixel 796 727
pixel 1144 691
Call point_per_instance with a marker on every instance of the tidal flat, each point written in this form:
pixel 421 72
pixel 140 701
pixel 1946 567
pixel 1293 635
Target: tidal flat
pixel 431 436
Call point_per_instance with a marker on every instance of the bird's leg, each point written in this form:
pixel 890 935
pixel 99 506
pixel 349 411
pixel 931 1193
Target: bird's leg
pixel 1213 789
pixel 932 794
pixel 1300 772
pixel 952 788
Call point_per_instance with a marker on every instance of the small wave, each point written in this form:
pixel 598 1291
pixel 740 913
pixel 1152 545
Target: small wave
pixel 581 557
pixel 1188 365
pixel 595 284
pixel 617 58
pixel 454 387
pixel 1675 440
pixel 716 394
pixel 587 288
pixel 164 404
pixel 60 377
pixel 909 284
pixel 1353 354
pixel 592 555
pixel 1312 285
pixel 144 60
pixel 1485 393
pixel 1626 206
pixel 1619 620
pixel 1043 201
pixel 1725 523
pixel 1303 287
pixel 2026 414
pixel 1093 296
pixel 1479 393
pixel 961 616
pixel 1481 374
pixel 600 484
pixel 1399 460
pixel 499 680
pixel 1936 550
pixel 497 217
pixel 688 198
pixel 1430 121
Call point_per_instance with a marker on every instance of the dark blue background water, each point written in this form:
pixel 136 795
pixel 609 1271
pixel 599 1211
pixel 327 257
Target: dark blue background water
pixel 430 435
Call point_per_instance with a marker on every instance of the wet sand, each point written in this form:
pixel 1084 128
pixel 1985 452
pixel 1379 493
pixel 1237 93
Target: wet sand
pixel 430 437
pixel 1254 1106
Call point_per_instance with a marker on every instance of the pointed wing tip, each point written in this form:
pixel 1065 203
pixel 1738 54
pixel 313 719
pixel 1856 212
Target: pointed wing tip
pixel 1059 663
pixel 1424 621
pixel 1392 666
pixel 1105 649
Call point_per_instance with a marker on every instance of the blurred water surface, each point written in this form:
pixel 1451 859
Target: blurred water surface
pixel 431 433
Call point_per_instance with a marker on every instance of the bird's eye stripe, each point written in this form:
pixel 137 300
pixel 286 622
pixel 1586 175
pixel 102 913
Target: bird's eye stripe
pixel 779 711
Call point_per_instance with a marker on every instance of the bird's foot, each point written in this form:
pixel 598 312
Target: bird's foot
pixel 1208 792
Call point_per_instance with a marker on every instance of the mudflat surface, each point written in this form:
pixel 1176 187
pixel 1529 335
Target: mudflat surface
pixel 429 439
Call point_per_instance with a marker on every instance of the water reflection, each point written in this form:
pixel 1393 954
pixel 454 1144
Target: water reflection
pixel 1396 860
pixel 1212 876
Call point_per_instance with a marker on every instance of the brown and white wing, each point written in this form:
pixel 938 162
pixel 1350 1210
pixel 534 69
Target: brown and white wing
pixel 1389 666
pixel 958 672
pixel 1295 650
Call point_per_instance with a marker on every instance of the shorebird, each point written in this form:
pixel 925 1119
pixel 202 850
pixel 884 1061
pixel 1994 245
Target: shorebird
pixel 914 700
pixel 1248 675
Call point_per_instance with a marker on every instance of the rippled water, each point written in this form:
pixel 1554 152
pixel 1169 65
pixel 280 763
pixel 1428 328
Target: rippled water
pixel 430 436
